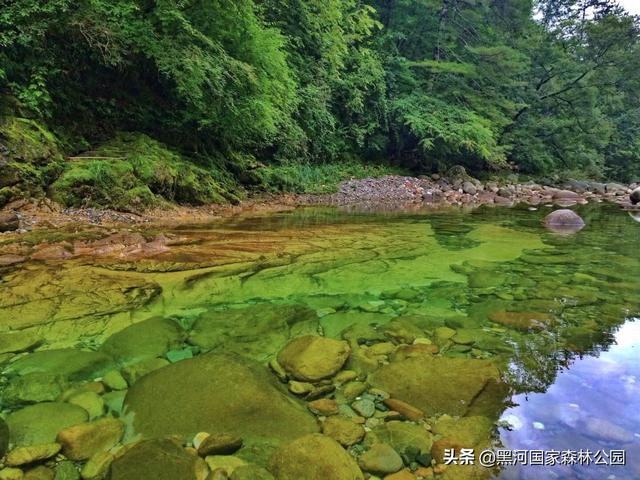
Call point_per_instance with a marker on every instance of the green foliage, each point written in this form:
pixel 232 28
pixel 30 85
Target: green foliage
pixel 30 158
pixel 302 85
pixel 317 178
pixel 133 172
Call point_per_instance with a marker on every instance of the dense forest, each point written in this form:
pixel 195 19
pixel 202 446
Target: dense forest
pixel 257 92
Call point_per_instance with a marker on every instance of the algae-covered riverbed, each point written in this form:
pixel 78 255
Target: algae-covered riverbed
pixel 319 344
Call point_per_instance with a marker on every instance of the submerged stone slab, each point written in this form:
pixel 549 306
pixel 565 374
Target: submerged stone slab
pixel 215 393
pixel 257 331
pixel 438 385
pixel 147 339
pixel 67 363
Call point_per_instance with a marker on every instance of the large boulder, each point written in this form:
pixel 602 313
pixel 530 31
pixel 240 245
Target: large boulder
pixel 158 459
pixel 439 385
pixel 147 339
pixel 40 424
pixel 635 196
pixel 215 393
pixel 314 457
pixel 564 221
pixel 312 358
pixel 257 331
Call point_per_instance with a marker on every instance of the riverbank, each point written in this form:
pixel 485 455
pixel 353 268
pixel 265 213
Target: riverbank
pixel 382 193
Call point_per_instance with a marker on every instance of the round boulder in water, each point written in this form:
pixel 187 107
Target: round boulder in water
pixel 564 221
pixel 635 196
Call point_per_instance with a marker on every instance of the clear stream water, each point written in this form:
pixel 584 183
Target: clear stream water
pixel 557 314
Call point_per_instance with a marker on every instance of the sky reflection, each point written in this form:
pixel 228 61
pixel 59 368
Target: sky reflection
pixel 594 404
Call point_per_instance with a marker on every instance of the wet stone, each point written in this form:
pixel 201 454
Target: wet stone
pixel 82 441
pixel 313 358
pixel 34 453
pixel 160 459
pixel 219 444
pixel 314 456
pixel 38 424
pixel 144 340
pixel 343 430
pixel 380 459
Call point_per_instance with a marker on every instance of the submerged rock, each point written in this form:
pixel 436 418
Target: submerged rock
pixel 68 363
pixel 41 423
pixel 218 394
pixel 21 341
pixel 524 321
pixel 312 358
pixel 84 440
pixel 402 436
pixel 343 430
pixel 380 459
pixel 256 331
pixel 314 457
pixel 438 385
pixel 158 459
pixel 147 339
pixel 564 221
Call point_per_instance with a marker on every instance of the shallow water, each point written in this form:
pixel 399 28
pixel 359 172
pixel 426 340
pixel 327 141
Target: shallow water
pixel 548 310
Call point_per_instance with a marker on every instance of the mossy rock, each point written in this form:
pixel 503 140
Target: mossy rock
pixel 257 331
pixel 150 338
pixel 67 363
pixel 138 172
pixel 438 385
pixel 160 459
pixel 314 457
pixel 401 436
pixel 215 393
pixel 34 388
pixel 30 158
pixel 40 424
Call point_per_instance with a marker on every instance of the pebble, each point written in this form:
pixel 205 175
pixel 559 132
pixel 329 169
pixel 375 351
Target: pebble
pixel 228 463
pixel 323 406
pixel 220 444
pixel 39 473
pixel 343 430
pixel 199 438
pixel 11 474
pixel 34 453
pixel 364 407
pixel 380 459
pixel 97 466
pixel 404 409
pixel 90 401
pixel 300 388
pixel 114 380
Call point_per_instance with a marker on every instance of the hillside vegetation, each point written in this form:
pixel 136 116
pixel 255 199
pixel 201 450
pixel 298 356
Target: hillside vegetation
pixel 198 101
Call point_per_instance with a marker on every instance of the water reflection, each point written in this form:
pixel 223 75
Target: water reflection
pixel 594 404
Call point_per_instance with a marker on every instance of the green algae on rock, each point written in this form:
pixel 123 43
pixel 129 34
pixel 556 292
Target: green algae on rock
pixel 313 457
pixel 159 459
pixel 312 358
pixel 215 393
pixel 256 331
pixel 438 385
pixel 143 340
pixel 38 424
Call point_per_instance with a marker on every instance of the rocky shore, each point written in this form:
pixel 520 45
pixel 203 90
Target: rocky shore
pixel 382 193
